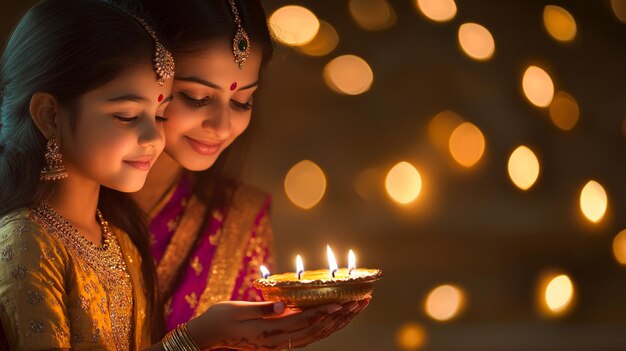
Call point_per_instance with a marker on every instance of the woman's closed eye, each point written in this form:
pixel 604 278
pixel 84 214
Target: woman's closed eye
pixel 135 119
pixel 195 103
pixel 245 106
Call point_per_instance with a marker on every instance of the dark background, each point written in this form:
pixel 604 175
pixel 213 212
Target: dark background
pixel 469 227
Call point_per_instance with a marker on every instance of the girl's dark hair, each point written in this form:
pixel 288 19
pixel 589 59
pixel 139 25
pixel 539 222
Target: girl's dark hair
pixel 67 48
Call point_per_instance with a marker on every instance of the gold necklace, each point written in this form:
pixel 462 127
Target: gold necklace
pixel 106 261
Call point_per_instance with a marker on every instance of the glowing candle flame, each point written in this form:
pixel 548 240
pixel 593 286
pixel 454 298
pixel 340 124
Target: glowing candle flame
pixel 299 266
pixel 332 263
pixel 351 262
pixel 265 272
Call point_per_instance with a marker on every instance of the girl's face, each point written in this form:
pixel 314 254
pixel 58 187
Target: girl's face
pixel 212 105
pixel 119 131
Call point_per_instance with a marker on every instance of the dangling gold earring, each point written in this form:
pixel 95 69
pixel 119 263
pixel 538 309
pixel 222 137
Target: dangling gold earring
pixel 54 168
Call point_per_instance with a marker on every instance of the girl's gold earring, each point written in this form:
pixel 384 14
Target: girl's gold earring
pixel 54 168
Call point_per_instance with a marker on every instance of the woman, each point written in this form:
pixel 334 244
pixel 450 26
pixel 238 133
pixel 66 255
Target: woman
pixel 210 233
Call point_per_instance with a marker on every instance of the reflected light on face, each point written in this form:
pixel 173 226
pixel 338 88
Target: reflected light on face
pixel 403 183
pixel 348 74
pixel 559 23
pixel 294 25
pixel 441 127
pixel 324 42
pixel 538 86
pixel 564 111
pixel 372 14
pixel 593 201
pixel 467 144
pixel 305 184
pixel 476 41
pixel 619 9
pixel 444 302
pixel 523 167
pixel 437 10
pixel 411 336
pixel 619 247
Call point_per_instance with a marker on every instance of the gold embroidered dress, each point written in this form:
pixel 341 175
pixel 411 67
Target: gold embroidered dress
pixel 60 291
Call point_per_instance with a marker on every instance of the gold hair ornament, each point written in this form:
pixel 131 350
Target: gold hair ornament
pixel 241 41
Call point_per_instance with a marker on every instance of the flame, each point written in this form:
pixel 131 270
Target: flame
pixel 299 266
pixel 264 272
pixel 332 263
pixel 351 261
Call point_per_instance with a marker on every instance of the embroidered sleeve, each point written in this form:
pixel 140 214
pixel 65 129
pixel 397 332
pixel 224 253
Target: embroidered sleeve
pixel 33 299
pixel 259 251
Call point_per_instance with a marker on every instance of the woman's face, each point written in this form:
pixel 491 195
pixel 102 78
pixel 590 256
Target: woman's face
pixel 119 131
pixel 212 105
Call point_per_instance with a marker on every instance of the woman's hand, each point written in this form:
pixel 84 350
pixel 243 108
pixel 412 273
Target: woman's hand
pixel 267 325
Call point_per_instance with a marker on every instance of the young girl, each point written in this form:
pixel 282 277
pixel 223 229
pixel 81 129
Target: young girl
pixel 210 232
pixel 83 85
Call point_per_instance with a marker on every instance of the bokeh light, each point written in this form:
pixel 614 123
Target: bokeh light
pixel 294 25
pixel 559 23
pixel 411 336
pixel 593 201
pixel 523 167
pixel 444 302
pixel 619 247
pixel 305 184
pixel 348 74
pixel 403 183
pixel 476 41
pixel 467 144
pixel 538 86
pixel 441 127
pixel 557 293
pixel 619 9
pixel 564 111
pixel 324 42
pixel 437 10
pixel 372 14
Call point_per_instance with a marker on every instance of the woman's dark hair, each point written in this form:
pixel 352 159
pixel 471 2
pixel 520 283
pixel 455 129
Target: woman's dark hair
pixel 191 27
pixel 67 48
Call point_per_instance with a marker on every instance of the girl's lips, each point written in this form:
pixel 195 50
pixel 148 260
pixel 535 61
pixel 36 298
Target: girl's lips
pixel 204 148
pixel 141 165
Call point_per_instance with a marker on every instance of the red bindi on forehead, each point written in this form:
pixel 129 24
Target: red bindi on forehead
pixel 160 98
pixel 233 86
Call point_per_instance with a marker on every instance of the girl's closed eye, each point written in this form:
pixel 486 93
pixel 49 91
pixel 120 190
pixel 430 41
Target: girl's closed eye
pixel 195 103
pixel 127 120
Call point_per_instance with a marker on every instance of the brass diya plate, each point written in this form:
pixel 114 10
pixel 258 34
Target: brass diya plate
pixel 318 287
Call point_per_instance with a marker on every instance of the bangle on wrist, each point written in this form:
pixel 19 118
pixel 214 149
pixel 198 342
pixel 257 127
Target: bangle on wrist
pixel 179 339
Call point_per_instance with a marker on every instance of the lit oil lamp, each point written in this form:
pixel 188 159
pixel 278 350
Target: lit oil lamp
pixel 304 289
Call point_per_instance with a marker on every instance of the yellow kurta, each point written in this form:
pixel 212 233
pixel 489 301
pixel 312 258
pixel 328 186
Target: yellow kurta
pixel 50 297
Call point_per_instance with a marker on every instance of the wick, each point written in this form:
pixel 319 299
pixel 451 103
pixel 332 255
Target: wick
pixel 350 271
pixel 299 275
pixel 333 272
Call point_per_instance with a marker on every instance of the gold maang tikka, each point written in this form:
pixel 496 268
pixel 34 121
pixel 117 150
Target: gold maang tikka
pixel 163 59
pixel 241 42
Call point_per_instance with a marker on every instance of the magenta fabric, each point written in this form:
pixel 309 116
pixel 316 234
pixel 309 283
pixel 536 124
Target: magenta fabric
pixel 193 281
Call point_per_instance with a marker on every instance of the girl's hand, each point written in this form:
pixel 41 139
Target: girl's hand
pixel 267 325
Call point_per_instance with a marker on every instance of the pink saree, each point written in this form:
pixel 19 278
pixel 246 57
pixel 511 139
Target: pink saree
pixel 201 261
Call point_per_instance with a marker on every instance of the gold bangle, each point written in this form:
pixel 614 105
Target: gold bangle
pixel 179 339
